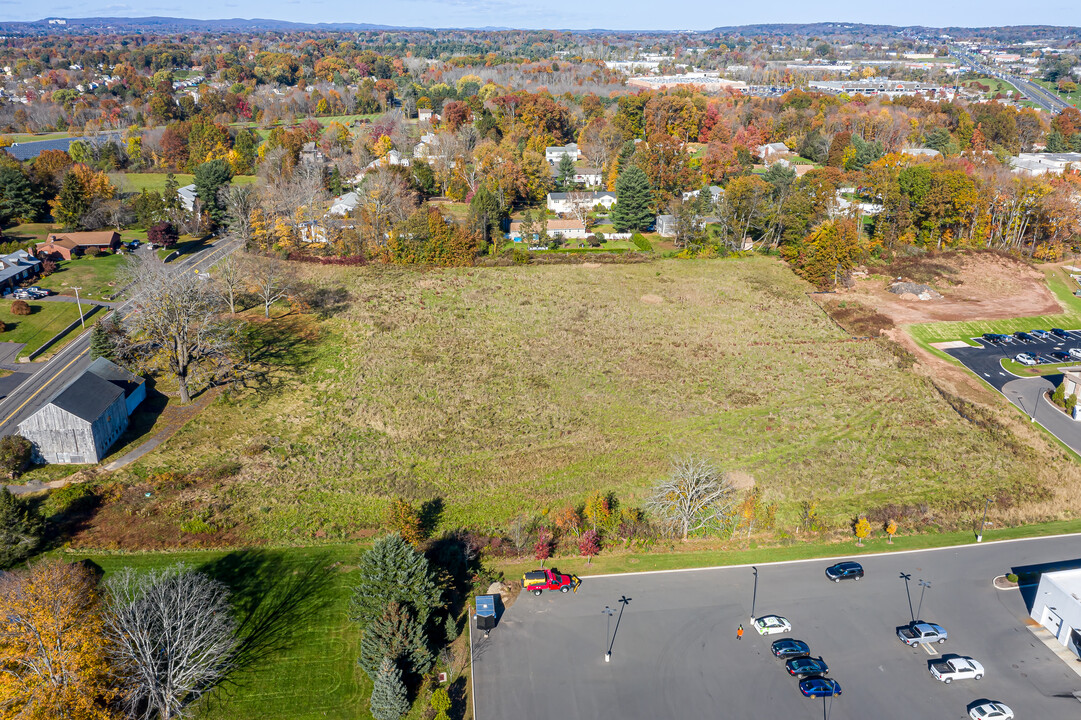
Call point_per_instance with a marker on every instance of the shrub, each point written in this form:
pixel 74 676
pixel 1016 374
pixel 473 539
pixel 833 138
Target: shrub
pixel 15 451
pixel 589 544
pixel 542 549
pixel 404 519
pixel 1012 577
pixel 20 307
pixel 1058 397
pixel 595 241
pixel 641 242
pixel 93 252
pixel 521 257
pixel 21 529
pixel 48 267
pixel 67 499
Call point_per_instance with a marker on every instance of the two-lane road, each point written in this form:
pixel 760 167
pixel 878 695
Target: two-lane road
pixel 40 386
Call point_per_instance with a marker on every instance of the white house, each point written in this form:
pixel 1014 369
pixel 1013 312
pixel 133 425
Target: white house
pixel 566 228
pixel 772 151
pixel 555 153
pixel 188 195
pixel 427 114
pixel 567 202
pixel 345 204
pixel 1040 163
pixel 715 193
pixel 590 177
pixel 921 152
pixel 1057 606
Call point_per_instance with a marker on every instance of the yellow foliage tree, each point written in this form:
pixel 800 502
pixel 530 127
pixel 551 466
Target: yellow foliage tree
pixel 862 528
pixel 53 648
pixel 382 146
pixel 891 530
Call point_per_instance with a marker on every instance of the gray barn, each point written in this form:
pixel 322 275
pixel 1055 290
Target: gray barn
pixel 86 417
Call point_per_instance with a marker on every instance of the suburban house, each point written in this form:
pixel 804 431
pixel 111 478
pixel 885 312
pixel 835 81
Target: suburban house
pixel 76 243
pixel 423 149
pixel 921 152
pixel 665 225
pixel 83 420
pixel 1056 606
pixel 772 151
pixel 391 158
pixel 715 193
pixel 1040 163
pixel 590 177
pixel 555 153
pixel 567 202
pixel 345 204
pixel 310 154
pixel 427 114
pixel 566 228
pixel 188 195
pixel 18 266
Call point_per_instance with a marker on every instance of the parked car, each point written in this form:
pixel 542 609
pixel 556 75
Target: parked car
pixel 22 295
pixel 1075 353
pixel 772 625
pixel 789 648
pixel 1061 334
pixel 537 581
pixel 991 711
pixel 922 633
pixel 1041 334
pixel 956 668
pixel 847 570
pixel 804 666
pixel 1060 356
pixel 816 687
pixel 35 290
pixel 1026 359
pixel 1024 337
pixel 992 338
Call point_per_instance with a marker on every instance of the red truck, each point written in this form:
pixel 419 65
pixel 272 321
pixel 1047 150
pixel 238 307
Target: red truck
pixel 537 581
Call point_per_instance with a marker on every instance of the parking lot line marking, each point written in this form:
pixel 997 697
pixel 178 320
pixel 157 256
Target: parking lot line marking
pixel 930 650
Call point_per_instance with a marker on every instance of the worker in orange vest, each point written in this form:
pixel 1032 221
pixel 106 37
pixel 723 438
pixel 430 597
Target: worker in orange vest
pixel 739 633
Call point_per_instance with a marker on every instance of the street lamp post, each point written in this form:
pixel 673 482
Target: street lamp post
pixel 608 633
pixel 986 504
pixel 924 584
pixel 80 304
pixel 754 593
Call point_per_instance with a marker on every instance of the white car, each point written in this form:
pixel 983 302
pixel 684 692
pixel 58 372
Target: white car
pixel 1075 352
pixel 772 625
pixel 1026 359
pixel 991 711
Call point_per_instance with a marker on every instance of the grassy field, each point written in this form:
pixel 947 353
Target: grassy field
pixel 996 85
pixel 1072 98
pixel 137 182
pixel 28 232
pixel 46 320
pixel 32 137
pixel 96 277
pixel 500 389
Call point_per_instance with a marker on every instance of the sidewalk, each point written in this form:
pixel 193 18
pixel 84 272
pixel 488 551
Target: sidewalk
pixel 1044 635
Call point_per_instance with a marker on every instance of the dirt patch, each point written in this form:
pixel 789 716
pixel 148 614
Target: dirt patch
pixel 857 319
pixel 974 286
pixel 652 299
pixel 740 480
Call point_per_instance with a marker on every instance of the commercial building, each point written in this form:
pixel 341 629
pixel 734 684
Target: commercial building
pixel 1057 606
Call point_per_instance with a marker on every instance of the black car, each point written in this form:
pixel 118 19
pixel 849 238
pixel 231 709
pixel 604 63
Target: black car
pixel 1024 337
pixel 1061 334
pixel 844 571
pixel 788 648
pixel 803 666
pixel 1060 356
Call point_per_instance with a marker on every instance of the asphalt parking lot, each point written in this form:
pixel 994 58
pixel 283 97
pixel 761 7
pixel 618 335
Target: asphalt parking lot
pixel 986 360
pixel 675 652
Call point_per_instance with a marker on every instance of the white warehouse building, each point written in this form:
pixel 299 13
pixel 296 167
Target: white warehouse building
pixel 1057 607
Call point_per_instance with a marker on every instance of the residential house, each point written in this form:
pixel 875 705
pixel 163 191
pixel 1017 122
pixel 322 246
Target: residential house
pixel 82 421
pixel 426 114
pixel 423 149
pixel 666 225
pixel 921 152
pixel 391 158
pixel 17 267
pixel 310 154
pixel 715 193
pixel 567 202
pixel 555 153
pixel 345 204
pixel 72 244
pixel 772 151
pixel 1041 163
pixel 590 177
pixel 566 228
pixel 188 195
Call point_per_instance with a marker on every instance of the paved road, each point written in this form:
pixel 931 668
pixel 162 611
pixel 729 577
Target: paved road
pixel 675 654
pixel 1037 94
pixel 37 388
pixel 1025 393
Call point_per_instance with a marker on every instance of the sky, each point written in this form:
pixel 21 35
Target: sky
pixel 608 14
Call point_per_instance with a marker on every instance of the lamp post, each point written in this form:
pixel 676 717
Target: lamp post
pixel 754 593
pixel 986 504
pixel 924 584
pixel 80 304
pixel 608 633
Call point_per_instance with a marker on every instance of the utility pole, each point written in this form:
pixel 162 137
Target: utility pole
pixel 80 304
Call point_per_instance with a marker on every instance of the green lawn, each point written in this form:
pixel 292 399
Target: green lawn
pixel 28 232
pixel 185 246
pixel 96 277
pixel 137 182
pixel 1073 98
pixel 32 137
pixel 500 389
pixel 36 329
pixel 996 85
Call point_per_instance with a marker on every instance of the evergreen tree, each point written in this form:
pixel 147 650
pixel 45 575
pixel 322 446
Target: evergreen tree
pixel 485 215
pixel 395 634
pixel 101 341
pixel 393 571
pixel 21 527
pixel 634 205
pixel 1056 143
pixel 209 178
pixel 19 200
pixel 389 701
pixel 72 202
pixel 566 171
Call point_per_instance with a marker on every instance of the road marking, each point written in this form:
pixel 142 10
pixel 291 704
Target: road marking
pixel 43 385
pixel 930 650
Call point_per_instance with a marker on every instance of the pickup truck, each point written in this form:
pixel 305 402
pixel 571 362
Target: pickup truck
pixel 921 633
pixel 537 581
pixel 957 668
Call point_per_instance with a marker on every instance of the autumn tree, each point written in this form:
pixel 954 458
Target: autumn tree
pixel 589 544
pixel 862 528
pixel 891 529
pixel 162 234
pixel 269 279
pixel 634 201
pixel 403 518
pixel 54 652
pixel 542 548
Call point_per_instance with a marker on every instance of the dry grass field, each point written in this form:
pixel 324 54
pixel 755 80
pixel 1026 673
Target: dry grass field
pixel 521 389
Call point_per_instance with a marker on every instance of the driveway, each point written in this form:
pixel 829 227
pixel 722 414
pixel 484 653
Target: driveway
pixel 675 653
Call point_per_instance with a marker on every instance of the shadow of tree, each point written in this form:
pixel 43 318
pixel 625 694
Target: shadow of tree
pixel 285 343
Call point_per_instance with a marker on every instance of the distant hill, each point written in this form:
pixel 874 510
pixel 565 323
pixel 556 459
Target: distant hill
pixel 178 25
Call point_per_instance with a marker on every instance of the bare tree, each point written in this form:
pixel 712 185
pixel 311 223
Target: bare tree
pixel 175 317
pixel 269 278
pixel 384 201
pixel 174 638
pixel 694 496
pixel 229 279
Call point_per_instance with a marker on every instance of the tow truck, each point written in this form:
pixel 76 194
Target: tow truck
pixel 537 581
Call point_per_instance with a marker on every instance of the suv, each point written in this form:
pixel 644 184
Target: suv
pixel 537 581
pixel 1061 334
pixel 1041 334
pixel 844 571
pixel 1024 337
